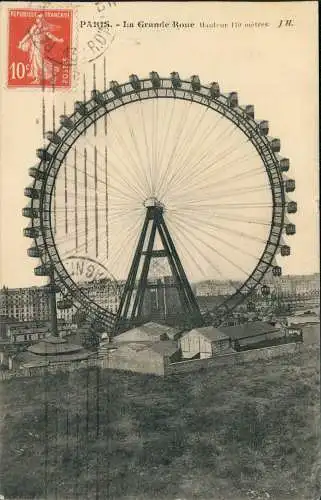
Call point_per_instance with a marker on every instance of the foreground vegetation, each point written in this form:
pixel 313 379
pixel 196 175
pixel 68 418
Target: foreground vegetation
pixel 242 432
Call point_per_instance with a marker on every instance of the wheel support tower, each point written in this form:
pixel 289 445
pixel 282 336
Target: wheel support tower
pixel 130 312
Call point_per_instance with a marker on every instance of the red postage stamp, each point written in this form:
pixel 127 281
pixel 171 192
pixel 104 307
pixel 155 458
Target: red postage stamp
pixel 40 46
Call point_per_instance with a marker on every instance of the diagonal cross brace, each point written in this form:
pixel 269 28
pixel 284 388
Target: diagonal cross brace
pixel 132 300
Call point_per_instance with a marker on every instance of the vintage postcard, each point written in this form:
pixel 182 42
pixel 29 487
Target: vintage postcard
pixel 159 257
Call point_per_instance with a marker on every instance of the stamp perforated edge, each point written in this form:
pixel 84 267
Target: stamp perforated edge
pixel 75 74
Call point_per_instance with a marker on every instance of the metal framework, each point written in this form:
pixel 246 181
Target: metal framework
pixel 130 311
pixel 86 114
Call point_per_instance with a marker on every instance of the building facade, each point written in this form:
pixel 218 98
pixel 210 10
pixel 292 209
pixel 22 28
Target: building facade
pixel 285 285
pixel 216 287
pixel 203 342
pixel 142 357
pixel 247 335
pixel 296 284
pixel 25 304
pixel 27 331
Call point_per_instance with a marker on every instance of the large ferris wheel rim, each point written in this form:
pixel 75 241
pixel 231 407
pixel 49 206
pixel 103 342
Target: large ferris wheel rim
pixel 102 103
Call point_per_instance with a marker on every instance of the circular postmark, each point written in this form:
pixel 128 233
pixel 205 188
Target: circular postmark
pixel 95 282
pixel 84 269
pixel 101 31
pixel 101 34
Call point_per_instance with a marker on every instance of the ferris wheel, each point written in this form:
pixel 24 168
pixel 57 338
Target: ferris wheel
pixel 160 180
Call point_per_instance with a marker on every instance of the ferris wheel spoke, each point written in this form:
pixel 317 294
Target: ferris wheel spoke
pixel 196 224
pixel 120 219
pixel 69 252
pixel 211 247
pixel 120 177
pixel 120 211
pixel 188 143
pixel 240 191
pixel 234 231
pixel 214 165
pixel 205 153
pixel 123 182
pixel 200 149
pixel 81 200
pixel 189 151
pixel 124 148
pixel 140 172
pixel 226 194
pixel 207 150
pixel 164 143
pixel 114 221
pixel 213 148
pixel 234 206
pixel 236 162
pixel 116 218
pixel 90 208
pixel 81 247
pixel 122 193
pixel 157 145
pixel 148 153
pixel 198 169
pixel 123 250
pixel 192 244
pixel 153 164
pixel 245 220
pixel 231 149
pixel 170 164
pixel 185 233
pixel 84 173
pixel 234 218
pixel 220 155
pixel 120 140
pixel 209 208
pixel 72 252
pixel 195 183
pixel 194 187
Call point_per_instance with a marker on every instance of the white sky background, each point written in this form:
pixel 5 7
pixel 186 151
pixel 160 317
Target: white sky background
pixel 274 69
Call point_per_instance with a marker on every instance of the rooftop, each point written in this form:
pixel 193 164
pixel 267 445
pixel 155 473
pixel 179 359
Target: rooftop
pixel 29 359
pixel 155 327
pixel 54 346
pixel 164 347
pixel 148 331
pixel 250 329
pixel 303 319
pixel 210 333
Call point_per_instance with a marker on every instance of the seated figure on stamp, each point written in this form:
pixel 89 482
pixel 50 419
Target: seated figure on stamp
pixel 35 42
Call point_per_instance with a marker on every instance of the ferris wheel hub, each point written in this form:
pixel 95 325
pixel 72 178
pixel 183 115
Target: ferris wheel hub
pixel 153 202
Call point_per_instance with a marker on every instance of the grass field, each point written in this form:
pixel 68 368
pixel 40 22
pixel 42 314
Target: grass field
pixel 244 432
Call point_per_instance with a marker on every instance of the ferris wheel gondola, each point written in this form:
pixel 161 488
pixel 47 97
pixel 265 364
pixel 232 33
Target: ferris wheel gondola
pixel 207 161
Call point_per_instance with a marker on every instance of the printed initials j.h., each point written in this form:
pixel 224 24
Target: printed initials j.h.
pixel 286 23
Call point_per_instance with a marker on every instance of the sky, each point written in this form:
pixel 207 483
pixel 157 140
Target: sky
pixel 273 68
